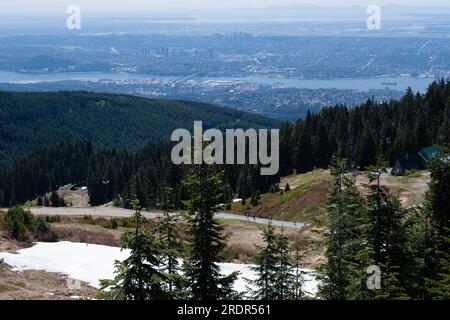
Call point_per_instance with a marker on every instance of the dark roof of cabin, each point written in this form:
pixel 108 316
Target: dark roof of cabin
pixel 429 152
pixel 410 162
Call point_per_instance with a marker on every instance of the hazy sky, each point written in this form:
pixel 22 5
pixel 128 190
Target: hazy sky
pixel 8 6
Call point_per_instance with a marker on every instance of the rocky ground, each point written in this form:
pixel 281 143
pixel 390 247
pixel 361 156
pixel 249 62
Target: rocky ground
pixel 40 285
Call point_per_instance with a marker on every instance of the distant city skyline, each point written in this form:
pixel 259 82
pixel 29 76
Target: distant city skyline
pixel 50 6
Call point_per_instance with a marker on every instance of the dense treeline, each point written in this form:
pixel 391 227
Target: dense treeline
pixel 44 171
pixel 115 175
pixel 29 121
pixel 361 133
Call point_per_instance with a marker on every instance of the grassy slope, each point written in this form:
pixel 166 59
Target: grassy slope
pixel 306 200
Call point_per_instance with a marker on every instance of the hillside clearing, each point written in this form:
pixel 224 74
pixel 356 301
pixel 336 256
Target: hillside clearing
pixel 306 200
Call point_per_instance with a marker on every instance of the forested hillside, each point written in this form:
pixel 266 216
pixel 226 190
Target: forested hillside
pixel 29 121
pixel 141 174
pixel 359 134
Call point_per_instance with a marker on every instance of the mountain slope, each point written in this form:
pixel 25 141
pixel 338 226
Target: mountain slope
pixel 31 120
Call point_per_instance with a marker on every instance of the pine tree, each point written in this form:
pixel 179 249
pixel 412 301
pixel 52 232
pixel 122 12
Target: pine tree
pixel 206 242
pixel 358 288
pixel 304 159
pixel 387 234
pixel 171 248
pixel 439 287
pixel 56 200
pixel 277 276
pixel 297 287
pixel 284 275
pixel 346 220
pixel 437 208
pixel 437 202
pixel 265 285
pixel 138 277
pixel 391 286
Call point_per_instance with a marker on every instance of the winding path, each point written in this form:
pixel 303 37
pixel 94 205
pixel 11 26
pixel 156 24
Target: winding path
pixel 120 212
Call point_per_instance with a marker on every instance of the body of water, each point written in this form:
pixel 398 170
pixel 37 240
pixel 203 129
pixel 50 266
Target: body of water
pixel 365 84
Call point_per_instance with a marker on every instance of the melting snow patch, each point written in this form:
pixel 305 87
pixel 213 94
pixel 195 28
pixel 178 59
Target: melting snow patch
pixel 91 262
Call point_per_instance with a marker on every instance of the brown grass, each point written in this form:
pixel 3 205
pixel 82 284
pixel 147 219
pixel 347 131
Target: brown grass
pixel 304 202
pixel 87 233
pixel 244 238
pixel 2 221
pixel 38 285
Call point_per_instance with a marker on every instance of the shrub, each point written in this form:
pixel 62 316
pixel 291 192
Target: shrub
pixel 52 219
pixel 20 223
pixel 256 197
pixel 56 200
pixel 44 231
pixel 42 225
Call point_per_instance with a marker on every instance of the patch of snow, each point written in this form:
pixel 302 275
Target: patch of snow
pixel 86 262
pixel 91 262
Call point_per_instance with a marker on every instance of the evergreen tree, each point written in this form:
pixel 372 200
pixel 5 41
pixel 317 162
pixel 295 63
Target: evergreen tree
pixel 437 208
pixel 139 276
pixel 304 159
pixel 284 275
pixel 387 234
pixel 266 270
pixel 206 241
pixel 437 202
pixel 346 220
pixel 297 287
pixel 56 200
pixel 20 223
pixel 277 276
pixel 357 288
pixel 171 247
pixel 439 286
